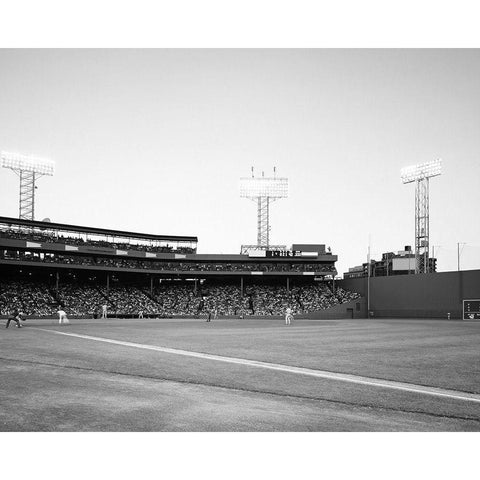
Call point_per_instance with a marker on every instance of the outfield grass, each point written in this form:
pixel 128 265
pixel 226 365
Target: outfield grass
pixel 53 382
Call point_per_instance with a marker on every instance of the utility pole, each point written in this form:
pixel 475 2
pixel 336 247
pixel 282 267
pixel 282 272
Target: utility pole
pixel 433 254
pixel 458 254
pixel 368 279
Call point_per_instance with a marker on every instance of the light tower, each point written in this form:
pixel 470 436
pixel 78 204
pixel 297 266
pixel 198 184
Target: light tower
pixel 29 169
pixel 420 174
pixel 263 190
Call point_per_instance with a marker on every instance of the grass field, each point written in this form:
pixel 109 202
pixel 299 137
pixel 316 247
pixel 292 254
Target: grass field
pixel 145 375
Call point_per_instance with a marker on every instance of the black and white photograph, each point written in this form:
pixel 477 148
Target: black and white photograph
pixel 239 240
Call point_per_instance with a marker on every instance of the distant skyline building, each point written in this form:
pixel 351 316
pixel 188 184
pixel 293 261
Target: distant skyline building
pixel 403 262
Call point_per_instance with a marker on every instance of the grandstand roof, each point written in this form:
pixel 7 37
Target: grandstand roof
pixel 94 230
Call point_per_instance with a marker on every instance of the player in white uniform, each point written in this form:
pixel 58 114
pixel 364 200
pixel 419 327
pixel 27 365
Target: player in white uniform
pixel 62 317
pixel 104 311
pixel 288 316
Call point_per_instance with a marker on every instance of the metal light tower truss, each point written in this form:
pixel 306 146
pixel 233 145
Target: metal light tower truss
pixel 263 191
pixel 29 169
pixel 420 174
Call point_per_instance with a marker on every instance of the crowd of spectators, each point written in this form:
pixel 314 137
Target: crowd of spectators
pixel 46 237
pixel 168 266
pixel 271 300
pixel 167 299
pixel 257 300
pixel 321 297
pixel 79 299
pixel 226 300
pixel 176 299
pixel 241 266
pixel 130 300
pixel 31 298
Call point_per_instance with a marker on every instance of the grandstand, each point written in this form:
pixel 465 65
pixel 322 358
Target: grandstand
pixel 47 264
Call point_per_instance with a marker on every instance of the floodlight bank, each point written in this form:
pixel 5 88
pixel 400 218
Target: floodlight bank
pixel 420 171
pixel 27 163
pixel 264 187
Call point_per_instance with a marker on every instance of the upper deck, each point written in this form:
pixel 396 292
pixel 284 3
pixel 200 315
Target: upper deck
pixel 92 238
pixel 59 246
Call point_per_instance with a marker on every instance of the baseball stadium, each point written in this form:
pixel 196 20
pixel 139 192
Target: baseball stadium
pixel 153 280
pixel 154 336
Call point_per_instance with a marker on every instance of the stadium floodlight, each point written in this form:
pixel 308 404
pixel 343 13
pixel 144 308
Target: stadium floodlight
pixel 263 191
pixel 29 168
pixel 28 163
pixel 264 187
pixel 421 174
pixel 421 171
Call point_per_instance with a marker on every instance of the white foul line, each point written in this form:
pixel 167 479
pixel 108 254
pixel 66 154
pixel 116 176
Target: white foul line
pixel 342 377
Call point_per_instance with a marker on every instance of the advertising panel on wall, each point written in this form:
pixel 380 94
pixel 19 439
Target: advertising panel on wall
pixel 471 309
pixel 403 263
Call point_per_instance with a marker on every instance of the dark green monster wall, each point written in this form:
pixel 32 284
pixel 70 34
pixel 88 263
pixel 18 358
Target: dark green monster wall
pixel 431 295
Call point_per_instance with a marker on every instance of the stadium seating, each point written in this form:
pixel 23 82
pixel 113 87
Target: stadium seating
pixel 170 298
pixel 164 265
pixel 80 300
pixel 32 298
pixel 128 300
pixel 49 238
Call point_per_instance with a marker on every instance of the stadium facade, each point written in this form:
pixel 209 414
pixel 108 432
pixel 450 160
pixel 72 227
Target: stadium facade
pixel 67 261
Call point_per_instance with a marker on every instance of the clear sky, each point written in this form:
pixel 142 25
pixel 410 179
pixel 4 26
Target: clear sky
pixel 156 140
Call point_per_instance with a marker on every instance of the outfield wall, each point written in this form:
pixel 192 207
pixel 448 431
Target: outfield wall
pixel 430 295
